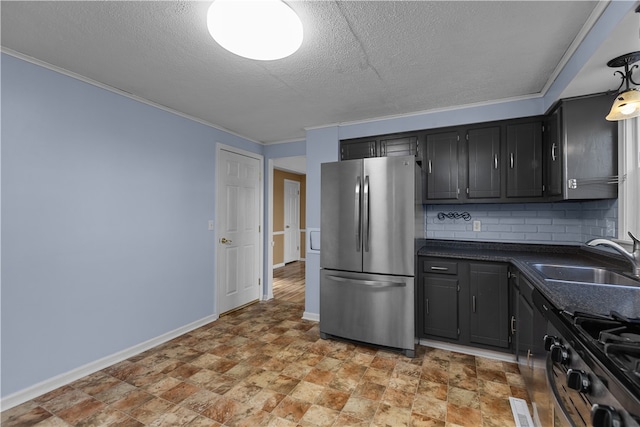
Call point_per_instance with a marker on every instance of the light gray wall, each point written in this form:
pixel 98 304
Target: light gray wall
pixel 105 203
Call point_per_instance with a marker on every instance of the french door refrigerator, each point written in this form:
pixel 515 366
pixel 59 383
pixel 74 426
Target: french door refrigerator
pixel 367 232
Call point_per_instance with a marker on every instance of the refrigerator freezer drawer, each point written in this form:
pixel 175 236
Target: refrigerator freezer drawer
pixel 370 308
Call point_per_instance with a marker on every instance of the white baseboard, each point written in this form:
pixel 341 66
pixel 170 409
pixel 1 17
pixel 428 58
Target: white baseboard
pixel 53 383
pixel 490 354
pixel 278 265
pixel 314 317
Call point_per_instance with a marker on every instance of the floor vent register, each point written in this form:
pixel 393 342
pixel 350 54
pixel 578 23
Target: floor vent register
pixel 520 412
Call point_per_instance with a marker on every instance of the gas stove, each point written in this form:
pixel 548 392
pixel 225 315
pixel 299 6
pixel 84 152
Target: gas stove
pixel 601 358
pixel 591 367
pixel 616 342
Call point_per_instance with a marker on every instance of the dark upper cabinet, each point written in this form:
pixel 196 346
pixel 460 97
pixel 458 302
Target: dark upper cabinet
pixel 440 164
pixel 386 146
pixel 400 146
pixel 358 149
pixel 571 153
pixel 489 301
pixel 484 163
pixel 552 156
pixel 524 159
pixel 587 148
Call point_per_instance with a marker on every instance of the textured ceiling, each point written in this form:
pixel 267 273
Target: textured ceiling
pixel 359 59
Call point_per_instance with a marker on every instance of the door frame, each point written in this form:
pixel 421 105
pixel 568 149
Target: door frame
pixel 268 277
pixel 297 185
pixel 260 260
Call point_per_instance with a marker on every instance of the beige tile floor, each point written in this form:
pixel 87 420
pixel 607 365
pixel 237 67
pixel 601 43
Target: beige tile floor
pixel 264 366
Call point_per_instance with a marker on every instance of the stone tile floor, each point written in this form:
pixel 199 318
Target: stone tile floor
pixel 264 366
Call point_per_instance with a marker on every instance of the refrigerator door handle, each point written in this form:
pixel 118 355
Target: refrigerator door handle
pixel 369 283
pixel 365 213
pixel 356 217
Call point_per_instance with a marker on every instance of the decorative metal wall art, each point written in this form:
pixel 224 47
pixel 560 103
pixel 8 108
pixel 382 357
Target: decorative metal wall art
pixel 454 215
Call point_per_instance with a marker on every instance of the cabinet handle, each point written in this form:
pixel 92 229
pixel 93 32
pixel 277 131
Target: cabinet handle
pixel 511 160
pixel 430 170
pixel 553 151
pixel 513 325
pixel 436 268
pixel 427 305
pixel 495 161
pixel 474 303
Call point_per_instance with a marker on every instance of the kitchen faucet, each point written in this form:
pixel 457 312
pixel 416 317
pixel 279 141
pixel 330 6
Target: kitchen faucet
pixel 633 257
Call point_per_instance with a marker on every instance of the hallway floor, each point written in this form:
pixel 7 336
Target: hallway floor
pixel 264 366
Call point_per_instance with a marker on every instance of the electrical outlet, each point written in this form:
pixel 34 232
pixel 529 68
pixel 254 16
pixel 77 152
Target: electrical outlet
pixel 477 226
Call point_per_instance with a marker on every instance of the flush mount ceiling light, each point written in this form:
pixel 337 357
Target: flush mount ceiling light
pixel 627 103
pixel 255 29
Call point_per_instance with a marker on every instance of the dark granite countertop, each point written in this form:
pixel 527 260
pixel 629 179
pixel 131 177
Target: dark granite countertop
pixel 568 296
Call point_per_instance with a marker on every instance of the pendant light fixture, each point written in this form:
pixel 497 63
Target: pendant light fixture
pixel 627 102
pixel 255 29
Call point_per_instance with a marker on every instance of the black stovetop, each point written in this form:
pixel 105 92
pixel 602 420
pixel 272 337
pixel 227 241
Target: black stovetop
pixel 615 341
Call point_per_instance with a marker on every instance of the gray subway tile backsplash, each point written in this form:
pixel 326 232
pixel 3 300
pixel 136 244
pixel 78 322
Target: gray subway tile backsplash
pixel 564 222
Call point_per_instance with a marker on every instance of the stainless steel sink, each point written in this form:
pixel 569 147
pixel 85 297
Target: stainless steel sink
pixel 592 275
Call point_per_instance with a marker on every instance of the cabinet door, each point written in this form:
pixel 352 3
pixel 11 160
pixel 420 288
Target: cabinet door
pixel 489 302
pixel 406 146
pixel 524 330
pixel 360 149
pixel 483 147
pixel 524 160
pixel 552 155
pixel 441 166
pixel 440 306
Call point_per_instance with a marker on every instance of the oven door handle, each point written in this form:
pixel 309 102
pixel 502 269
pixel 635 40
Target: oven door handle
pixel 555 394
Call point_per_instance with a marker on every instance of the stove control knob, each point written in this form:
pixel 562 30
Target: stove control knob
pixel 578 380
pixel 605 416
pixel 550 340
pixel 559 354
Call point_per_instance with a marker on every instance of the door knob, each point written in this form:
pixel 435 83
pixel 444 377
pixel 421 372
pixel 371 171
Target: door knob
pixel 224 240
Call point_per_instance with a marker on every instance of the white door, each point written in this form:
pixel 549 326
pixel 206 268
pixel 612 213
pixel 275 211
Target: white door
pixel 238 210
pixel 291 221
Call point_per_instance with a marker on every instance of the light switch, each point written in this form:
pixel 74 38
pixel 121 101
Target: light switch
pixel 210 225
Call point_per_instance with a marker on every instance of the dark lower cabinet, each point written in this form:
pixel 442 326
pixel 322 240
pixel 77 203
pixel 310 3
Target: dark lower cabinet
pixel 528 327
pixel 441 307
pixel 489 293
pixel 463 302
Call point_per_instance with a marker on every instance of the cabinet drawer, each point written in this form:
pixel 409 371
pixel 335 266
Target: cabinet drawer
pixel 440 267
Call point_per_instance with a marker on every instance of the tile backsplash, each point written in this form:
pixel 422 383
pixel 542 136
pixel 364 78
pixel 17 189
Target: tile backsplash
pixel 559 223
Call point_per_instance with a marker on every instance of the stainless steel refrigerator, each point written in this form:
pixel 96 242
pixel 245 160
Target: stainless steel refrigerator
pixel 367 251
